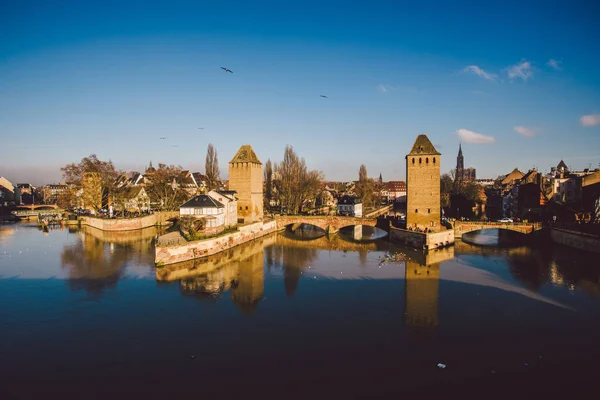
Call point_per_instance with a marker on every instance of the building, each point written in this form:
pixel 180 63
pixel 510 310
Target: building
pixel 396 191
pixel 463 175
pixel 349 206
pixel 423 185
pixel 91 183
pixel 245 177
pixel 204 207
pixel 7 192
pixel 229 201
pixel 591 196
pixel 132 199
pixel 52 192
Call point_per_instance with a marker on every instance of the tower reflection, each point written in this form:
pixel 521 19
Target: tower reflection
pixel 421 288
pixel 240 269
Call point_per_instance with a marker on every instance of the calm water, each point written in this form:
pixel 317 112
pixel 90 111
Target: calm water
pixel 85 313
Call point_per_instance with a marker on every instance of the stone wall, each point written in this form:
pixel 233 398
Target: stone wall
pixel 128 224
pixel 202 248
pixel 581 241
pixel 423 191
pixel 420 240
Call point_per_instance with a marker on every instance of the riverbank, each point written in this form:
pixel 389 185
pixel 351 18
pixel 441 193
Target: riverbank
pixel 172 254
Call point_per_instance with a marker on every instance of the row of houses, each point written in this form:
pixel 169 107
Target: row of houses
pixel 527 195
pixel 392 191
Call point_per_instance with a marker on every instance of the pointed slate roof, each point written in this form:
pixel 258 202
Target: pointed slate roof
pixel 561 164
pixel 423 146
pixel 460 149
pixel 245 155
pixel 515 174
pixel 202 201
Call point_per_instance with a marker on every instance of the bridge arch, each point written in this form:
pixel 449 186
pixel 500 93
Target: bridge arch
pixel 36 207
pixel 330 224
pixel 462 227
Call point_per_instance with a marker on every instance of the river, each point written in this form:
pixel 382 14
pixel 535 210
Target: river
pixel 85 312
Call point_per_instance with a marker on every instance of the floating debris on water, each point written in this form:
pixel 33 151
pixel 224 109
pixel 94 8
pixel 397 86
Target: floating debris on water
pixel 396 257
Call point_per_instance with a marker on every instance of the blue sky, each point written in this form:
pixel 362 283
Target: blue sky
pixel 517 82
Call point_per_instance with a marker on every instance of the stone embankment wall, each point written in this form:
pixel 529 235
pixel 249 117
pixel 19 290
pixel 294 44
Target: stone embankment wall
pixel 581 241
pixel 420 240
pixel 202 248
pixel 128 224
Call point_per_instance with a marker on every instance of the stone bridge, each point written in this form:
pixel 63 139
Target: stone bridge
pixel 462 227
pixel 36 207
pixel 330 224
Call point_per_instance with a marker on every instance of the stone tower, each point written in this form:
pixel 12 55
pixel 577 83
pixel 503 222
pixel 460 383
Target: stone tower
pixel 423 186
pixel 245 177
pixel 460 165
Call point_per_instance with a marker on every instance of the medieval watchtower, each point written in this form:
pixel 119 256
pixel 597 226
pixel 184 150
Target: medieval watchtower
pixel 423 186
pixel 245 177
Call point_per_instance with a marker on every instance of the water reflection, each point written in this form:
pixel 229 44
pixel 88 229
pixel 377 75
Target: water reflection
pixel 239 270
pixel 98 259
pixel 421 287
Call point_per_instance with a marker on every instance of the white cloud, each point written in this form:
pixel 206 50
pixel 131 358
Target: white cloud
pixel 383 88
pixel 555 64
pixel 522 70
pixel 590 120
pixel 480 72
pixel 528 132
pixel 474 137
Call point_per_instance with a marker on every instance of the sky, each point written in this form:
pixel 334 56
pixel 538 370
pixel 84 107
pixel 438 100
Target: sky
pixel 516 82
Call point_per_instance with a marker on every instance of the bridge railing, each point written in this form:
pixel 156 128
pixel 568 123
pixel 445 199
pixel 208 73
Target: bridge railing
pixel 496 223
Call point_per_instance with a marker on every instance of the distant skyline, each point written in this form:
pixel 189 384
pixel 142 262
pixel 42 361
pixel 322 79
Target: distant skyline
pixel 516 82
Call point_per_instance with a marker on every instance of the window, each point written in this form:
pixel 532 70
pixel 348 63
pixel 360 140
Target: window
pixel 427 160
pixel 240 208
pixel 413 160
pixel 416 210
pixel 246 208
pixel 420 160
pixel 434 160
pixel 429 211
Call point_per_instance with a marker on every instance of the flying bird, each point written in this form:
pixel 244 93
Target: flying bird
pixel 175 146
pixel 226 69
pixel 162 138
pixel 322 95
pixel 200 128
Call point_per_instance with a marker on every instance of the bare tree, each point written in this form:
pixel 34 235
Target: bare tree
pixel 297 185
pixel 212 168
pixel 268 183
pixel 364 188
pixel 163 190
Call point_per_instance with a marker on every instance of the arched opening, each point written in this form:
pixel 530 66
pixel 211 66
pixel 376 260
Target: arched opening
pixel 434 160
pixel 494 237
pixel 420 160
pixel 426 160
pixel 303 231
pixel 362 233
